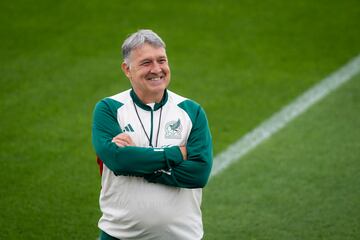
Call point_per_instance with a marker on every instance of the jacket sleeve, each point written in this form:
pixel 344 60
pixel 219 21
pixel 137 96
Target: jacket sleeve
pixel 194 172
pixel 131 160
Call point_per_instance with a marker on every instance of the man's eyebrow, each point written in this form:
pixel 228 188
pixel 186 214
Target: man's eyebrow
pixel 145 60
pixel 150 59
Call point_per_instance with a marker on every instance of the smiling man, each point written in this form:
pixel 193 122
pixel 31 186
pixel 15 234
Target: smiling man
pixel 154 149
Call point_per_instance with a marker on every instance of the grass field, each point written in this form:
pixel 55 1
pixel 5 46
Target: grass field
pixel 303 183
pixel 241 60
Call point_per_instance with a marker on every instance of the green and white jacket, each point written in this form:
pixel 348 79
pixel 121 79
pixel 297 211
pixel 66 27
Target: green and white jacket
pixel 148 190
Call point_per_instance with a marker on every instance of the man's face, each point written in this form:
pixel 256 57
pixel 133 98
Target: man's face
pixel 148 71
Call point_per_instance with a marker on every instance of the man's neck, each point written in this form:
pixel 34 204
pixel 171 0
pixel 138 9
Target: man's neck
pixel 146 99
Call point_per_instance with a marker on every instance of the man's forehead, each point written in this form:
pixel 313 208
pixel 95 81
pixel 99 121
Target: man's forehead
pixel 148 51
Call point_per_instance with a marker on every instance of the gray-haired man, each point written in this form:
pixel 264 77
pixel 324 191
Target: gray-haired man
pixel 154 149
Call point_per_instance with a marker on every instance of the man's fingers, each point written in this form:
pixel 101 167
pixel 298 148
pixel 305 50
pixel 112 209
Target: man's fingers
pixel 183 152
pixel 130 141
pixel 124 138
pixel 120 143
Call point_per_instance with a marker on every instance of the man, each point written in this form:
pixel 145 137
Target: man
pixel 155 151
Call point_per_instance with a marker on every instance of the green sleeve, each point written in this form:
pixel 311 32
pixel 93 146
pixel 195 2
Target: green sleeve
pixel 137 161
pixel 194 172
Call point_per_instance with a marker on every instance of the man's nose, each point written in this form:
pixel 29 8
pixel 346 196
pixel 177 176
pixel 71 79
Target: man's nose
pixel 156 68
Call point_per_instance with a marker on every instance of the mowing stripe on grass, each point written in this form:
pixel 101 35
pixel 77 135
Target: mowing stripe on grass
pixel 277 121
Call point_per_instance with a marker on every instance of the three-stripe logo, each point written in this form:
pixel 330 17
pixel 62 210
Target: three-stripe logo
pixel 128 128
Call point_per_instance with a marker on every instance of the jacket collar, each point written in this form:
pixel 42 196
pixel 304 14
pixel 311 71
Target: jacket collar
pixel 142 105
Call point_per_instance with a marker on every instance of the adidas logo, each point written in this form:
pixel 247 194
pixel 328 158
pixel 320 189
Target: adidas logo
pixel 128 128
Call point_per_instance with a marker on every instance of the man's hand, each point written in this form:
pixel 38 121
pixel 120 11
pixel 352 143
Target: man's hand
pixel 184 152
pixel 123 140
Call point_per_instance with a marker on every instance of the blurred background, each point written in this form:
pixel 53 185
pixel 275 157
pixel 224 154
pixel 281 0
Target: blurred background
pixel 241 60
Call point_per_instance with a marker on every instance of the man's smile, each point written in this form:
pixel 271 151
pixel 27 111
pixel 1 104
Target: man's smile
pixel 155 78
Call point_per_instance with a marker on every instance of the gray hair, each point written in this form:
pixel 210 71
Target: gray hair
pixel 139 38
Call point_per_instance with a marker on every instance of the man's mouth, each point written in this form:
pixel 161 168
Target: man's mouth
pixel 155 78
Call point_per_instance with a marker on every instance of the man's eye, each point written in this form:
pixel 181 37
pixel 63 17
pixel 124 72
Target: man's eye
pixel 162 61
pixel 145 63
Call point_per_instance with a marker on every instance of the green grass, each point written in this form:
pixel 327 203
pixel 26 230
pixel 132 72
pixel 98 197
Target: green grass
pixel 241 60
pixel 303 183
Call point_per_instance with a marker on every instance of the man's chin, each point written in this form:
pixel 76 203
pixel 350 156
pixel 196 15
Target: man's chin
pixel 156 91
pixel 156 83
pixel 157 86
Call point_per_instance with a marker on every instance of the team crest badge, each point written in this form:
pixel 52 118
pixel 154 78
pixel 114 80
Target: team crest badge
pixel 173 129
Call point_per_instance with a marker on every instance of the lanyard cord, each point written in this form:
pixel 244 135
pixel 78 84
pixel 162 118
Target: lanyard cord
pixel 142 125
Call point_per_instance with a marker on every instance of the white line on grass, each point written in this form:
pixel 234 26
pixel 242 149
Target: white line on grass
pixel 266 129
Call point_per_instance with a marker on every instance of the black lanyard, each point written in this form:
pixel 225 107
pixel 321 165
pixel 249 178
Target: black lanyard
pixel 142 125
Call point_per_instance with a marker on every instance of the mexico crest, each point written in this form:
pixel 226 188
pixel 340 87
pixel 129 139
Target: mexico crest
pixel 173 129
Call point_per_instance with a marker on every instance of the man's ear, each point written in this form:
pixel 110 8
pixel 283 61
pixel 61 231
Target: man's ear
pixel 126 69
